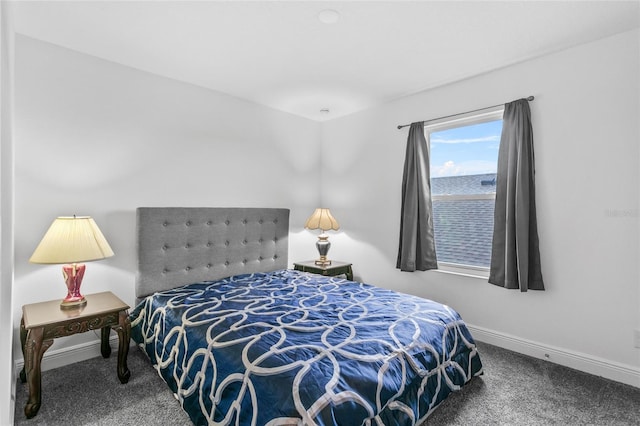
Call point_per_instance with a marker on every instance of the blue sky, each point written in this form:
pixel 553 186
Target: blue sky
pixel 468 150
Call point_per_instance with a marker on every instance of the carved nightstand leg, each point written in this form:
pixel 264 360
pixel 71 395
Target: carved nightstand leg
pixel 124 335
pixel 34 348
pixel 23 339
pixel 105 347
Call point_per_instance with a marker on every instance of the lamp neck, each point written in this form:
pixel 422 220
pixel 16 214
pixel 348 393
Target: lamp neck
pixel 73 267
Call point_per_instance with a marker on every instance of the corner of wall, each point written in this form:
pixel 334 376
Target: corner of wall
pixel 7 372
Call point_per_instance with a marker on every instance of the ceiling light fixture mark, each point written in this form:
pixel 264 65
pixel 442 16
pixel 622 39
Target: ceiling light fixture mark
pixel 329 16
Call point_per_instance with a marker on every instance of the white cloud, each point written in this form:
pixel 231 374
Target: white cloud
pixel 449 168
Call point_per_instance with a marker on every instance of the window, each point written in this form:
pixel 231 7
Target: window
pixel 464 158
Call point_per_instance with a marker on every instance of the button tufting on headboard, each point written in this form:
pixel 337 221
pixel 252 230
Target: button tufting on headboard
pixel 198 244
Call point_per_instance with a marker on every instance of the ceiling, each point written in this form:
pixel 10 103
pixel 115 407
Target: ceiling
pixel 279 54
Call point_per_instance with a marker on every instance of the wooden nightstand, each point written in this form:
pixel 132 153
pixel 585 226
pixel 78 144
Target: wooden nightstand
pixel 336 268
pixel 43 322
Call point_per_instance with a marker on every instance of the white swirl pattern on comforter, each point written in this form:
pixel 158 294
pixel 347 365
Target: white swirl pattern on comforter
pixel 289 347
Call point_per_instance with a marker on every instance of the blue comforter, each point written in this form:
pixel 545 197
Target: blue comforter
pixel 289 347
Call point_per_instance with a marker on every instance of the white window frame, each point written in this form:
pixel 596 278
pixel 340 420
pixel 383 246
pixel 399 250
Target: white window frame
pixel 492 114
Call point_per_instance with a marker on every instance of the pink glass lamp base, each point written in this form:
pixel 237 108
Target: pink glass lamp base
pixel 73 278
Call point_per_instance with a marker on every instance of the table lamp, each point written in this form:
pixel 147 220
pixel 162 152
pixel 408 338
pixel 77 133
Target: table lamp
pixel 323 220
pixel 69 241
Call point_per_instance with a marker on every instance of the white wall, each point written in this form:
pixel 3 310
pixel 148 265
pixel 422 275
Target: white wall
pixel 585 118
pixel 96 138
pixel 139 139
pixel 7 380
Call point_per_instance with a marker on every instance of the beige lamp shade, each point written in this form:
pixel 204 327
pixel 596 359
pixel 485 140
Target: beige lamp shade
pixel 71 240
pixel 322 219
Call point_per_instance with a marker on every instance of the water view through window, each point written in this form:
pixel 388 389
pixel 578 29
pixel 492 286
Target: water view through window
pixel 463 187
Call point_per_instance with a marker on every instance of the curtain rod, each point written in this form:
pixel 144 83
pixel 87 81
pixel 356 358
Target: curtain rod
pixel 530 98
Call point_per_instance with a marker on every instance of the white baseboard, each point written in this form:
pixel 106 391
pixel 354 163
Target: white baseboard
pixel 589 364
pixel 64 356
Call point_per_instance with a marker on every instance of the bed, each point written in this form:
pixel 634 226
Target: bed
pixel 240 339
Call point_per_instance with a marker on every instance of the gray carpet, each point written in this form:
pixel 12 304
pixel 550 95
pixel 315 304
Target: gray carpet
pixel 89 393
pixel 515 390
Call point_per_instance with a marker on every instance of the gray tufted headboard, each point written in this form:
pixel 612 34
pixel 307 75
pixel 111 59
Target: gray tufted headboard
pixel 184 245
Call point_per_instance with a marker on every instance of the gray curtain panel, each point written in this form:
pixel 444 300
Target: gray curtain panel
pixel 515 254
pixel 417 248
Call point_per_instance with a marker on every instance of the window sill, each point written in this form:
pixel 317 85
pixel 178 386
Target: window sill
pixel 461 270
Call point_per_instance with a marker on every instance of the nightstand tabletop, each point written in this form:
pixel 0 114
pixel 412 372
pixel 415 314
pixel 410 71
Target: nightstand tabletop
pixel 336 268
pixel 334 264
pixel 46 313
